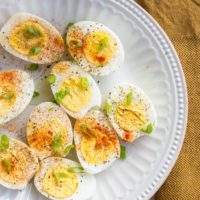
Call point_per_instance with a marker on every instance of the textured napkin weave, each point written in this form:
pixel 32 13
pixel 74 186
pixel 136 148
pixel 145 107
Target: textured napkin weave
pixel 181 21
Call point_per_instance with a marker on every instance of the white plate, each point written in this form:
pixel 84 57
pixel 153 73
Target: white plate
pixel 150 62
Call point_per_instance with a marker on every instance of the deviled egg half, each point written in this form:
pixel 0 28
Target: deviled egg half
pixel 49 131
pixel 75 90
pixel 18 163
pixel 60 178
pixel 16 91
pixel 97 144
pixel 95 47
pixel 32 38
pixel 130 112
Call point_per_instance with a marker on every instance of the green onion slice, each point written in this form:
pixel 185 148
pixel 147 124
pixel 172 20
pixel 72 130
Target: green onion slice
pixel 76 169
pixel 4 142
pixel 148 129
pixel 122 152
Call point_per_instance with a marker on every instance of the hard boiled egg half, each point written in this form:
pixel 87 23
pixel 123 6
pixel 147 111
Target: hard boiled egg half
pixel 97 143
pixel 60 178
pixel 95 47
pixel 32 38
pixel 18 163
pixel 16 91
pixel 75 90
pixel 130 111
pixel 49 131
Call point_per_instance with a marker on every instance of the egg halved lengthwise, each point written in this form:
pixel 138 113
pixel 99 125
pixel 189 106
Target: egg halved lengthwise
pixel 64 179
pixel 95 47
pixel 74 89
pixel 18 164
pixel 31 38
pixel 49 131
pixel 97 144
pixel 16 92
pixel 130 112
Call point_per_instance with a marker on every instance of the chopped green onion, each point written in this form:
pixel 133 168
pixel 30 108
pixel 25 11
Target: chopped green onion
pixel 36 94
pixel 84 82
pixel 75 43
pixel 68 149
pixel 8 95
pixel 32 31
pixel 58 176
pixel 148 129
pixel 4 142
pixel 50 109
pixel 69 25
pixel 61 94
pixel 103 43
pixel 51 79
pixel 76 169
pixel 57 143
pixel 74 62
pixel 6 164
pixel 129 98
pixel 35 50
pixel 122 152
pixel 108 108
pixel 33 67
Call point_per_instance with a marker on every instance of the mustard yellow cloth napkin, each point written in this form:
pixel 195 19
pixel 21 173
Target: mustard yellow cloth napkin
pixel 181 21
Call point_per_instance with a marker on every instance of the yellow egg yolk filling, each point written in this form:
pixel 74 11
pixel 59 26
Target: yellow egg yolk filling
pixel 65 187
pixel 78 97
pixel 99 47
pixel 17 167
pixel 29 38
pixel 130 117
pixel 98 145
pixel 7 97
pixel 44 133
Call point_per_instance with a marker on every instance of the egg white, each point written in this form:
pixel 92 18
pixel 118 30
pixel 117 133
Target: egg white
pixel 118 94
pixel 103 121
pixel 24 96
pixel 49 111
pixel 33 165
pixel 115 62
pixel 87 182
pixel 72 69
pixel 19 18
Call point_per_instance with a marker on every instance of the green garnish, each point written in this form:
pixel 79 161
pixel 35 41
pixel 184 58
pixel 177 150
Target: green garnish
pixel 129 98
pixel 68 149
pixel 84 82
pixel 76 43
pixel 148 129
pixel 51 79
pixel 4 142
pixel 50 109
pixel 74 62
pixel 122 152
pixel 36 94
pixel 35 50
pixel 103 43
pixel 108 108
pixel 69 25
pixel 8 95
pixel 32 31
pixel 58 176
pixel 57 143
pixel 6 164
pixel 76 169
pixel 33 67
pixel 60 95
